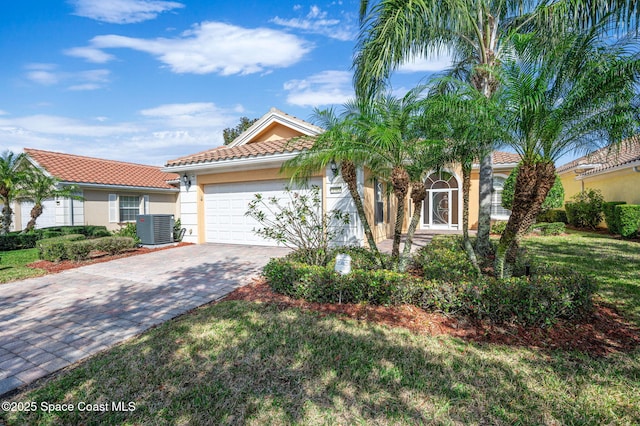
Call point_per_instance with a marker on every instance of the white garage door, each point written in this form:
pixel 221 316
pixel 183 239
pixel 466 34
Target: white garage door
pixel 226 205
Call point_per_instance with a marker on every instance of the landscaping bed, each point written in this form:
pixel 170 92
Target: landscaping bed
pixel 96 257
pixel 603 332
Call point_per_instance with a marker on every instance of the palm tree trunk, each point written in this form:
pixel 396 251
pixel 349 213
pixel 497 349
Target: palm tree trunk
pixel 349 175
pixel 533 183
pixel 400 182
pixel 6 218
pixel 418 195
pixel 483 244
pixel 36 211
pixel 466 188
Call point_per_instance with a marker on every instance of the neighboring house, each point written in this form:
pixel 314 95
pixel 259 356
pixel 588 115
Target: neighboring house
pixel 217 185
pixel 114 192
pixel 613 171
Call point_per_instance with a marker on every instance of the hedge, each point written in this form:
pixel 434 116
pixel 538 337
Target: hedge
pixel 540 299
pixel 55 249
pixel 555 228
pixel 552 216
pixel 609 210
pixel 17 241
pixel 76 247
pixel 627 217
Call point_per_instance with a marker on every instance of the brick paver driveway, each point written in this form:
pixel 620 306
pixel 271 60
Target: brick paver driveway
pixel 49 322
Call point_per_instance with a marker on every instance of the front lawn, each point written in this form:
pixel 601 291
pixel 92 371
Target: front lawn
pixel 238 362
pixel 615 262
pixel 13 265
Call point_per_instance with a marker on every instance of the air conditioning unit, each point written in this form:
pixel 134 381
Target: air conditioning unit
pixel 155 229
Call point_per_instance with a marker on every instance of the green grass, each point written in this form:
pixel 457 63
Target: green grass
pixel 615 262
pixel 237 362
pixel 240 362
pixel 12 265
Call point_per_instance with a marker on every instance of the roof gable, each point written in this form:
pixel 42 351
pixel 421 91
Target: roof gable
pixel 96 171
pixel 275 125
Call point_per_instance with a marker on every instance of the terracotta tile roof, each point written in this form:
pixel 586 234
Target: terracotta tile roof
pixel 80 169
pixel 502 157
pixel 258 149
pixel 607 158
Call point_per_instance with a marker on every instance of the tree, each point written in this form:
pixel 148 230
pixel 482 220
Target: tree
pixel 10 178
pixel 476 33
pixel 38 187
pixel 391 132
pixel 578 93
pixel 336 144
pixel 554 200
pixel 231 133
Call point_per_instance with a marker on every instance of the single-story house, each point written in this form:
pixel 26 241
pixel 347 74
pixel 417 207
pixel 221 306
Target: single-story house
pixel 216 186
pixel 114 192
pixel 615 171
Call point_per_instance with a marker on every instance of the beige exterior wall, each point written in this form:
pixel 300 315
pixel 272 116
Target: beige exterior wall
pixel 96 205
pixel 619 185
pixel 275 131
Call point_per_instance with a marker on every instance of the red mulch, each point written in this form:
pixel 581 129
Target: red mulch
pixel 604 332
pixel 99 257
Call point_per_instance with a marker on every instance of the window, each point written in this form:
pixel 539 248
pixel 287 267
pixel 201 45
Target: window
pixel 129 208
pixel 497 211
pixel 378 201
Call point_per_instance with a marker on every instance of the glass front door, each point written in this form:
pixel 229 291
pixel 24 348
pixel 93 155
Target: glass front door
pixel 440 210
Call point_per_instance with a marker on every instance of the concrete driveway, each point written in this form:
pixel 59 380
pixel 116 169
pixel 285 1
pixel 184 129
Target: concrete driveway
pixel 50 322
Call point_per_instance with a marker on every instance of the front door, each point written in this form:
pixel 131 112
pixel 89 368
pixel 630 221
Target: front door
pixel 440 210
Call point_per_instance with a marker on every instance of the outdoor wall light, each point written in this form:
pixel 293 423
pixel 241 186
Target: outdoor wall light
pixel 186 181
pixel 334 168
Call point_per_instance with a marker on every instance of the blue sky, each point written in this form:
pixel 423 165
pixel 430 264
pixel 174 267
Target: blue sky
pixel 150 80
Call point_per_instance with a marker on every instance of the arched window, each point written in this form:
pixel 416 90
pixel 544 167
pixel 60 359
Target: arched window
pixel 497 211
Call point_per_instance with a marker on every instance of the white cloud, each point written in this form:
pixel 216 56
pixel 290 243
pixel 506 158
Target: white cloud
pixel 90 54
pixel 47 75
pixel 215 47
pixel 56 125
pixel 122 11
pixel 317 22
pixel 200 115
pixel 325 88
pixel 164 132
pixel 436 62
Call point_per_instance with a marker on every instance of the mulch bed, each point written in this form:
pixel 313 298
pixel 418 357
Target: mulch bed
pixel 603 333
pixel 96 257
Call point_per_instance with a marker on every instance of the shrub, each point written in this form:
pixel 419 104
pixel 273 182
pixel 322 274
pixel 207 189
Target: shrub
pixel 609 210
pixel 628 219
pixel 298 222
pixel 323 285
pixel 498 227
pixel 55 249
pixel 550 293
pixel 451 287
pixel 444 259
pixel 555 228
pixel 114 244
pixel 585 209
pixel 129 230
pixel 552 216
pixel 78 250
pixel 17 241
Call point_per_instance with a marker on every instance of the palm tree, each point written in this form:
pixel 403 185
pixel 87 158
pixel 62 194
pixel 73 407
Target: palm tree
pixel 38 187
pixel 10 179
pixel 336 144
pixel 391 131
pixel 582 94
pixel 476 33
